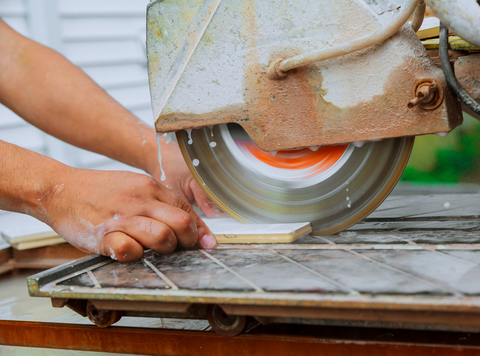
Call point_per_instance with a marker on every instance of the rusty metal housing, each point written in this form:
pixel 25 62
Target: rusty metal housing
pixel 208 64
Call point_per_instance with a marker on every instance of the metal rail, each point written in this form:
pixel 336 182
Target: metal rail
pixel 198 343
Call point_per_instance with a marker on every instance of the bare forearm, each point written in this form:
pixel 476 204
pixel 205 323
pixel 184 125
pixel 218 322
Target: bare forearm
pixel 51 93
pixel 112 213
pixel 26 178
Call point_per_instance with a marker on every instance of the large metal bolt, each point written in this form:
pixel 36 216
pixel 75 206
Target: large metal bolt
pixel 428 94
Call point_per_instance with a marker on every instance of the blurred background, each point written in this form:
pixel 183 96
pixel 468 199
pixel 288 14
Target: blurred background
pixel 107 40
pixel 104 38
pixel 448 160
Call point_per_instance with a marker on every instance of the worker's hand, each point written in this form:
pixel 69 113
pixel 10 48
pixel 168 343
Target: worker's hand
pixel 118 213
pixel 180 180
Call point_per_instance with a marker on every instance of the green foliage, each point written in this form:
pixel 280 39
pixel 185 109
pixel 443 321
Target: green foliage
pixel 453 164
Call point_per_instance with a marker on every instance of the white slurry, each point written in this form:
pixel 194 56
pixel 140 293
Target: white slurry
pixel 359 144
pixel 168 138
pixel 213 144
pixel 196 162
pixel 159 136
pixel 189 133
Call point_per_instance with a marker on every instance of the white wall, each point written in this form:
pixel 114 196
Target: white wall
pixel 106 38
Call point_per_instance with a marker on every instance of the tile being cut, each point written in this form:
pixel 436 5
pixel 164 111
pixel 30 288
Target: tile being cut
pixel 230 231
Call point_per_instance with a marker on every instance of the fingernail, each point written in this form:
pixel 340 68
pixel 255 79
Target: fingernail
pixel 208 241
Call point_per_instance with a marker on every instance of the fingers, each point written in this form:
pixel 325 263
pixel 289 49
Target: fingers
pixel 202 235
pixel 207 206
pixel 150 233
pixel 121 247
pixel 178 220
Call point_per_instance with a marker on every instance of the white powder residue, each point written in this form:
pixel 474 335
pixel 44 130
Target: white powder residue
pixel 112 253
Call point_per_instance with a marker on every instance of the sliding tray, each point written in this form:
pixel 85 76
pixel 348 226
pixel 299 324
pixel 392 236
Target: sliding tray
pixel 412 264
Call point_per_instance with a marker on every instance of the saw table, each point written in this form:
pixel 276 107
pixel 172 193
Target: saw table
pixel 409 270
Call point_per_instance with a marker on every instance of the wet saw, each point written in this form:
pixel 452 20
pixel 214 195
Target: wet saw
pixel 294 111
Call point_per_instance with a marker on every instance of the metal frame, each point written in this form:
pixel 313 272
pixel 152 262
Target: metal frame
pixel 456 311
pixel 327 341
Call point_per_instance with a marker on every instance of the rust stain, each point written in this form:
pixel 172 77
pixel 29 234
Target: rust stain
pixel 147 341
pixel 292 112
pixel 467 70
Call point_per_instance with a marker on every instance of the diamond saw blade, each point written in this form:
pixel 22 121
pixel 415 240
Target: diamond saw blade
pixel 332 187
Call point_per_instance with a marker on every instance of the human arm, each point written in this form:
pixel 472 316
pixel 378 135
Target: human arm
pixel 48 91
pixel 106 212
pixel 96 211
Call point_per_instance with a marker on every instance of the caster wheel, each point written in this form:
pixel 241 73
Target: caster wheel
pixel 102 318
pixel 223 324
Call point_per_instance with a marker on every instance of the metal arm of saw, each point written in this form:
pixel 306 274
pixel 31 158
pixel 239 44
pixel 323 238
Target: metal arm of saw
pixel 278 70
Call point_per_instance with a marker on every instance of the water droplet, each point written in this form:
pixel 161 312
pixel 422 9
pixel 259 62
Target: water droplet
pixel 213 144
pixel 347 189
pixel 446 205
pixel 211 130
pixel 349 205
pixel 348 198
pixel 189 133
pixel 196 162
pixel 273 153
pixel 359 144
pixel 314 148
pixel 442 134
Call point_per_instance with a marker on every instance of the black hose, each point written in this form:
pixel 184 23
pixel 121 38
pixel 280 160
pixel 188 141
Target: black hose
pixel 450 75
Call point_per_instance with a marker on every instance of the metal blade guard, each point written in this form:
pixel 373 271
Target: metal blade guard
pixel 209 61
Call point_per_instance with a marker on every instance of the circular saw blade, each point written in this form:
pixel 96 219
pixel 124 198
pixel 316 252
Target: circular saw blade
pixel 332 187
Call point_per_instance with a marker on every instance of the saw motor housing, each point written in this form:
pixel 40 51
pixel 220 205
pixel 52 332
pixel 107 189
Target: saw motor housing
pixel 209 61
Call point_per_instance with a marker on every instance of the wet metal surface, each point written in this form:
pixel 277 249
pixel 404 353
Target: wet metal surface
pixel 208 65
pixel 379 271
pixel 307 270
